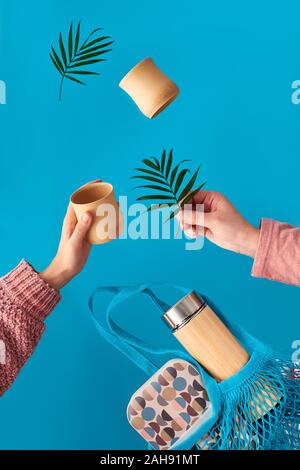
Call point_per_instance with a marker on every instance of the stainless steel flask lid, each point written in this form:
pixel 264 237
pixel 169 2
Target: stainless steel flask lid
pixel 185 308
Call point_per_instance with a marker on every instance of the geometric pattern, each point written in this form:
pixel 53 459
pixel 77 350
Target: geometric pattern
pixel 169 404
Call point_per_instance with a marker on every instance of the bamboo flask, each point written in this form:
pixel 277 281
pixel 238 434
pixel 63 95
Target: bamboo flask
pixel 196 326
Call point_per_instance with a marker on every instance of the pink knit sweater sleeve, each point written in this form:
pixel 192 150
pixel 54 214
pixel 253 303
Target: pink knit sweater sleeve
pixel 278 254
pixel 25 301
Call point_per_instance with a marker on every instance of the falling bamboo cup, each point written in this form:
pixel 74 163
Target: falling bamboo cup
pixel 149 87
pixel 99 199
pixel 196 326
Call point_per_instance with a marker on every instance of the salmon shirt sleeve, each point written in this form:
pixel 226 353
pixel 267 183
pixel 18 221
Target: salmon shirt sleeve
pixel 278 254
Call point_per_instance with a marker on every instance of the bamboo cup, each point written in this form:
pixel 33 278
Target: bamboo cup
pixel 149 87
pixel 196 326
pixel 99 199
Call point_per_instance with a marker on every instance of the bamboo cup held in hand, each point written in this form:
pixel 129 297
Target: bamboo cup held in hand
pixel 209 341
pixel 99 199
pixel 149 87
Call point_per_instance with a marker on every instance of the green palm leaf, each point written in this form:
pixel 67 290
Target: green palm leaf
pixel 62 50
pixel 82 72
pixel 169 181
pixel 58 61
pixel 173 214
pixel 175 170
pixel 96 48
pixel 89 36
pixel 155 196
pixel 77 37
pixel 74 79
pixel 156 161
pixel 70 42
pixel 190 196
pixel 148 162
pixel 149 172
pixel 77 56
pixel 95 41
pixel 150 178
pixel 180 179
pixel 169 164
pixel 55 63
pixel 154 207
pixel 89 56
pixel 154 186
pixel 189 186
pixel 163 161
pixel 87 62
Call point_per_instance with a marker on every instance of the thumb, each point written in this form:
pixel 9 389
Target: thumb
pixel 82 227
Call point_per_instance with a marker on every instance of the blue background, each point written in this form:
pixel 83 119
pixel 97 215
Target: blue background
pixel 234 62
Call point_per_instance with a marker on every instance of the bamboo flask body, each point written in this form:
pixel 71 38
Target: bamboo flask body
pixel 201 332
pixel 205 337
pixel 211 343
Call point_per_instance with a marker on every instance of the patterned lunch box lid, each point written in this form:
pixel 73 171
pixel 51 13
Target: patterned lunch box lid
pixel 170 405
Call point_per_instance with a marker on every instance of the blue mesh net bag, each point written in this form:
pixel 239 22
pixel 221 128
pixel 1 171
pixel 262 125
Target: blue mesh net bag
pixel 258 407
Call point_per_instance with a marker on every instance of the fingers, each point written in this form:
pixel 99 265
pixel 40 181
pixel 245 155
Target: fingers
pixel 209 199
pixel 189 230
pixel 70 219
pixel 195 218
pixel 69 222
pixel 82 228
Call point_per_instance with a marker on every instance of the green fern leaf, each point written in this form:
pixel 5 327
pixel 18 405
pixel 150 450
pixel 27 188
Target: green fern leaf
pixel 155 196
pixel 70 42
pixel 77 37
pixel 169 182
pixel 57 60
pixel 95 41
pixel 55 64
pixel 96 48
pixel 156 161
pixel 180 179
pixel 169 164
pixel 82 72
pixel 62 50
pixel 175 170
pixel 154 186
pixel 150 178
pixel 75 56
pixel 173 214
pixel 163 161
pixel 151 164
pixel 190 196
pixel 149 172
pixel 189 186
pixel 85 44
pixel 89 56
pixel 75 80
pixel 87 62
pixel 154 207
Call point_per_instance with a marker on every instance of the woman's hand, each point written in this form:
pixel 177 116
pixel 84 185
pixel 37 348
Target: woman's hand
pixel 73 250
pixel 223 224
